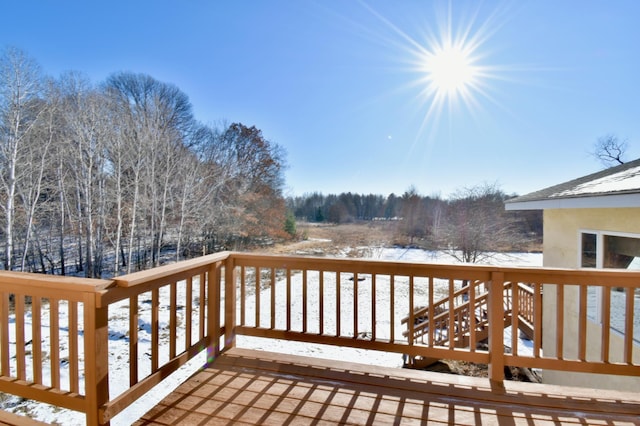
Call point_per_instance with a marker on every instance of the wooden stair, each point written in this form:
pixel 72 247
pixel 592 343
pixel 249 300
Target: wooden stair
pixel 465 312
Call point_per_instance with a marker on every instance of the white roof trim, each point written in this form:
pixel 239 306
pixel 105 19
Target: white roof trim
pixel 593 202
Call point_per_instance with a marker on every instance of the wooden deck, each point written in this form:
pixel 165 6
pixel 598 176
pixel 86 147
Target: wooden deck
pixel 202 304
pixel 253 387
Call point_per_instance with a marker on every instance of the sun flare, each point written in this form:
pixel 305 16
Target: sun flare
pixel 447 56
pixel 450 70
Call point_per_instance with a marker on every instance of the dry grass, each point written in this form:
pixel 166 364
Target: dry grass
pixel 319 239
pixel 351 239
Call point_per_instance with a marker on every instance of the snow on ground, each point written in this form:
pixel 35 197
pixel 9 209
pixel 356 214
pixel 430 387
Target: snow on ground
pixel 118 344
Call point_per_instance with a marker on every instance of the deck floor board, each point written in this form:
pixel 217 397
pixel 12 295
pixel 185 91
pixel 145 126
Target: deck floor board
pixel 253 387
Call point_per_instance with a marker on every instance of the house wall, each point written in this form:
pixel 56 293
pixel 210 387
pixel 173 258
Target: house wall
pixel 561 235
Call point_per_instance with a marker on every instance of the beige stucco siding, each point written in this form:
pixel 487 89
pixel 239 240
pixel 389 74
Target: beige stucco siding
pixel 561 244
pixel 561 228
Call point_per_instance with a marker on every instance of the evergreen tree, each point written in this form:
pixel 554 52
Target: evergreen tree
pixel 290 224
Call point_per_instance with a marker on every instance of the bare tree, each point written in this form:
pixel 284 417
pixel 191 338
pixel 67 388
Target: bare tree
pixel 20 106
pixel 610 150
pixel 114 150
pixel 198 184
pixel 87 128
pixel 158 117
pixel 34 161
pixel 476 225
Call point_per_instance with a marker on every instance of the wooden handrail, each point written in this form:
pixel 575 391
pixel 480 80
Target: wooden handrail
pixel 170 272
pixel 513 278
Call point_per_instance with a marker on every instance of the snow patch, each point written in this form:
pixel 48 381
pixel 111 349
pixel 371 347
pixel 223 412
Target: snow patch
pixel 626 180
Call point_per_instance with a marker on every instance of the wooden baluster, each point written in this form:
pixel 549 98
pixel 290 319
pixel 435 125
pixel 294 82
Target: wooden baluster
pixel 559 321
pixel 288 300
pixel 243 296
pixel 321 300
pixel 537 319
pixel 155 329
pixel 202 302
pixel 4 335
pixel 188 312
pixel 230 304
pixel 392 303
pixel 338 291
pixel 173 319
pixel 74 376
pixel 134 315
pixel 628 326
pixel 36 338
pixel 606 323
pixel 355 305
pixel 582 322
pixel 19 324
pixel 451 334
pixel 515 317
pixel 432 313
pixel 496 327
pixel 305 300
pixel 54 340
pixel 373 307
pixel 411 322
pixel 213 311
pixel 272 290
pixel 472 317
pixel 257 297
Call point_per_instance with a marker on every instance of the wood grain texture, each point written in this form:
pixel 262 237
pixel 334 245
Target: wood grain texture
pixel 254 387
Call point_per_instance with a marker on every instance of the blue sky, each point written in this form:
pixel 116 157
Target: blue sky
pixel 342 85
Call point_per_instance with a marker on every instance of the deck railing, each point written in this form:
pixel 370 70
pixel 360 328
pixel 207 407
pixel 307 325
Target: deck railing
pixel 56 333
pixel 466 309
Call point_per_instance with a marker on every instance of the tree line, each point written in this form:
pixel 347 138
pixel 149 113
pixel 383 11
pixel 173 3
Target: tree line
pixel 101 179
pixel 470 224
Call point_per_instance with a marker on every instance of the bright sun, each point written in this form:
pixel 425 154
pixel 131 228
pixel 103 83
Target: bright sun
pixel 449 70
pixel 449 62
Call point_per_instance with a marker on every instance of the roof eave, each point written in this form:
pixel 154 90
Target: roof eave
pixel 590 202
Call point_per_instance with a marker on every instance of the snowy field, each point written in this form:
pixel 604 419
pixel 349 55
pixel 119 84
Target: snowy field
pixel 119 353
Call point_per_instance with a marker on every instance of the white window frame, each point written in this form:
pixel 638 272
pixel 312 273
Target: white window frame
pixel 597 317
pixel 600 243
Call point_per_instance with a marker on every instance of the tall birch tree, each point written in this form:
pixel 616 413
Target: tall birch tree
pixel 20 89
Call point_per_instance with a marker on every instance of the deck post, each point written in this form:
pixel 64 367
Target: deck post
pixel 96 349
pixel 230 303
pixel 496 327
pixel 213 311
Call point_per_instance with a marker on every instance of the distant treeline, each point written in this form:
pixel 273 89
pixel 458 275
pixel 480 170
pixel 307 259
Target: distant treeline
pixel 469 216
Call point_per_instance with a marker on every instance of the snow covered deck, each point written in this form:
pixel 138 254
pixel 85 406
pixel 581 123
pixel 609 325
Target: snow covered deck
pixel 100 347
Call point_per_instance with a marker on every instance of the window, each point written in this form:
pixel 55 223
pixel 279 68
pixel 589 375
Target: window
pixel 588 253
pixel 621 252
pixel 611 250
